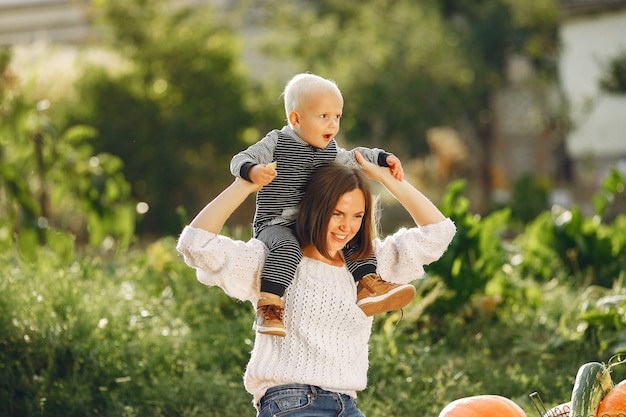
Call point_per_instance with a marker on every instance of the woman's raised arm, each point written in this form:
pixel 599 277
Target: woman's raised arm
pixel 213 216
pixel 421 209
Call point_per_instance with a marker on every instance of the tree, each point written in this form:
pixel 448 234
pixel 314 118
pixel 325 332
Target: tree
pixel 406 66
pixel 614 77
pixel 176 114
pixel 52 181
pixel 184 105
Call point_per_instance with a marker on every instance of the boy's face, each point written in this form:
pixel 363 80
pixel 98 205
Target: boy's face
pixel 317 119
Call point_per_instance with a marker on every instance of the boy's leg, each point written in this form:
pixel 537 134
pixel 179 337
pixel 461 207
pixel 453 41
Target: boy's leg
pixel 278 272
pixel 374 295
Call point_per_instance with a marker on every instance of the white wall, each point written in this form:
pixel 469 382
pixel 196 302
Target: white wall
pixel 26 21
pixel 589 42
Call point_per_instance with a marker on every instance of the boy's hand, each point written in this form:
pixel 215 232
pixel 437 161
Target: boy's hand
pixel 372 171
pixel 396 167
pixel 376 172
pixel 262 174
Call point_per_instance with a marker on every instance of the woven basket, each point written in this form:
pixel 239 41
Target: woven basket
pixel 561 410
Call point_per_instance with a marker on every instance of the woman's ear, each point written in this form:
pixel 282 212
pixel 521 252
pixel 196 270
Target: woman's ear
pixel 294 118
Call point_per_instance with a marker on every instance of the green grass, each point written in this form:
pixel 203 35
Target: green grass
pixel 135 334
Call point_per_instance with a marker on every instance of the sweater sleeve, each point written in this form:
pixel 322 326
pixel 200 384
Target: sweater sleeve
pixel 346 157
pixel 402 256
pixel 233 265
pixel 261 152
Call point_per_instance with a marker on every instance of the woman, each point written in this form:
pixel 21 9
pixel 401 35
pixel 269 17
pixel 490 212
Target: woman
pixel 319 367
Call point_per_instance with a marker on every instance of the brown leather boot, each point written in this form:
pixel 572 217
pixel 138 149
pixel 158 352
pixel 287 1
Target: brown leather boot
pixel 376 296
pixel 269 317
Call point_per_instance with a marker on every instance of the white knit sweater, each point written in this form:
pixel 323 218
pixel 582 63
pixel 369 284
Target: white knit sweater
pixel 327 334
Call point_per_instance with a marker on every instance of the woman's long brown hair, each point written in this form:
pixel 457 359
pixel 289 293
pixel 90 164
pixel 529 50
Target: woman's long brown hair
pixel 325 188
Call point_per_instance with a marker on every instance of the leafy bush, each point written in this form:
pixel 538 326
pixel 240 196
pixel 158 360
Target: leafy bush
pixel 138 335
pixel 560 243
pixel 529 199
pixel 614 74
pixel 564 243
pixel 53 180
pixel 133 336
pixel 476 253
pixel 88 333
pixel 173 110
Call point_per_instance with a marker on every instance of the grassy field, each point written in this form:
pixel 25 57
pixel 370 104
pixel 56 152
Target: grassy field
pixel 135 334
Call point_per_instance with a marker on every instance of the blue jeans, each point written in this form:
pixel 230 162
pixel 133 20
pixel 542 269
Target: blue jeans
pixel 306 401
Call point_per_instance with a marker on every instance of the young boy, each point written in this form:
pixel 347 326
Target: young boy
pixel 283 162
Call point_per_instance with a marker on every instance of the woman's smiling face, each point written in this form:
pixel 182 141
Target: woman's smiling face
pixel 345 221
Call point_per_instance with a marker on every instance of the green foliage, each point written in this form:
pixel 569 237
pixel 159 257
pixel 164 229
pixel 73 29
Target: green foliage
pixel 614 77
pixel 136 334
pixel 559 244
pixel 187 92
pixel 83 334
pixel 612 185
pixel 599 315
pixel 564 243
pixel 405 66
pixel 5 59
pixel 398 64
pixel 530 198
pixel 174 112
pixel 476 252
pixel 130 336
pixel 54 181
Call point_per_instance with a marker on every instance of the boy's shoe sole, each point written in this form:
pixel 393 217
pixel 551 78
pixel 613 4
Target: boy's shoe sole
pixel 395 299
pixel 273 331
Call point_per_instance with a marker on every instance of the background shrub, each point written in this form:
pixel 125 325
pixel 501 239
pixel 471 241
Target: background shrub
pixel 133 333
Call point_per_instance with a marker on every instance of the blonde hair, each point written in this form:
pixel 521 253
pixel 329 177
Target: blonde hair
pixel 303 85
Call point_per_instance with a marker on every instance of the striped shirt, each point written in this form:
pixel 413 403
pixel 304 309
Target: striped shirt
pixel 278 202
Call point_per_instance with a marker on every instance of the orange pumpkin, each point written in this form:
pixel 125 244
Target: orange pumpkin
pixel 482 406
pixel 614 402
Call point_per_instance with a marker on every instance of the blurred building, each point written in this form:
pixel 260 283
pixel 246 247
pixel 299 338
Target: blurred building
pixel 26 21
pixel 571 150
pixel 528 137
pixel 593 32
pixel 58 21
